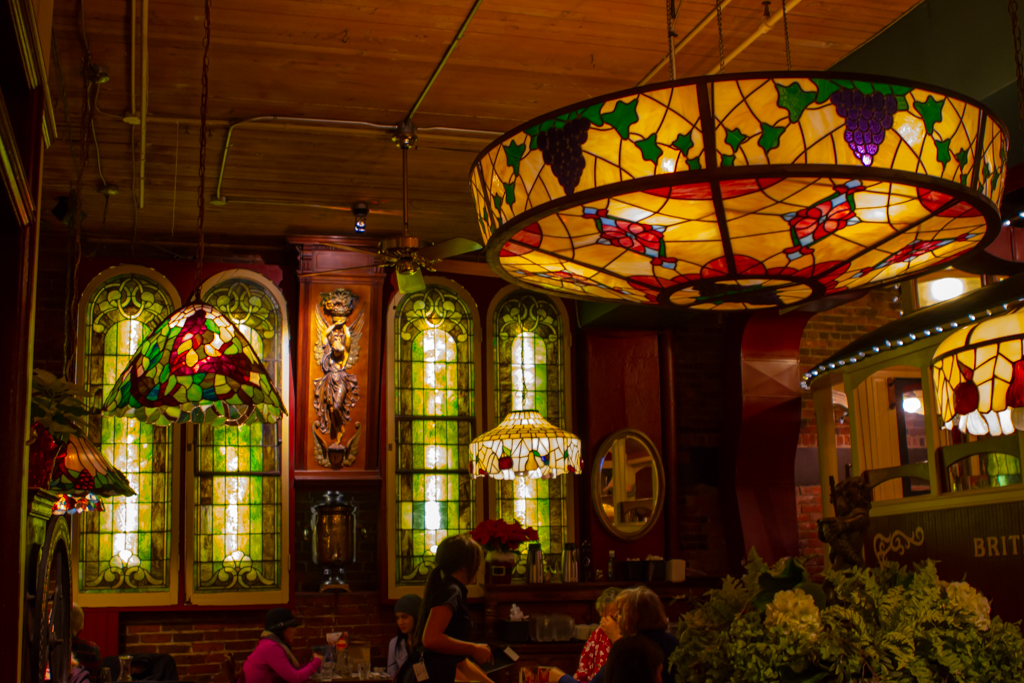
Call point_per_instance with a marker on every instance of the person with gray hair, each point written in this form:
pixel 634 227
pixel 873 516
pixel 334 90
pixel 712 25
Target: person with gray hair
pixel 595 652
pixel 85 651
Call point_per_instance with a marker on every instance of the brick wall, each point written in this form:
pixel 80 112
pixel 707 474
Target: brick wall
pixel 808 512
pixel 200 641
pixel 827 333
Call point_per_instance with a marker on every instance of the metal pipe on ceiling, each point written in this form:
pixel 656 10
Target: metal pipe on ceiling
pixel 766 25
pixel 682 43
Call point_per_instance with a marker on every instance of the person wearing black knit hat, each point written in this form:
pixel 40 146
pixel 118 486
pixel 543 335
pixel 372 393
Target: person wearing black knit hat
pixel 407 611
pixel 272 661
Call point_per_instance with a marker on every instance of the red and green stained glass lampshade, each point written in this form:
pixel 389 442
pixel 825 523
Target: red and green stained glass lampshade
pixel 525 445
pixel 80 469
pixel 196 366
pixel 741 191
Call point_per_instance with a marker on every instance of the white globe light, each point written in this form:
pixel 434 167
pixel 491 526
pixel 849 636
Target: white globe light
pixel 945 289
pixel 911 404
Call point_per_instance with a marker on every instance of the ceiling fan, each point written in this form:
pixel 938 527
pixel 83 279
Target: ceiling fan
pixel 408 255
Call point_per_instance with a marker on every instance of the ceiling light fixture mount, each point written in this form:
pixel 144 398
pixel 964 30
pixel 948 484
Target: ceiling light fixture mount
pixel 741 191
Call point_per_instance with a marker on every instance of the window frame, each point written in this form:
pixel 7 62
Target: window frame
pixel 493 404
pixel 141 598
pixel 395 591
pixel 253 597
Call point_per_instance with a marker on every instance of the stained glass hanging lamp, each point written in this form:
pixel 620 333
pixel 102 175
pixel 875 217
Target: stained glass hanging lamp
pixel 196 366
pixel 525 444
pixel 978 372
pixel 741 191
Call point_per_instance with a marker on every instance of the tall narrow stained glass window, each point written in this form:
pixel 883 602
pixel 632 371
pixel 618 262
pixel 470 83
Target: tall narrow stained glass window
pixel 434 423
pixel 529 375
pixel 127 547
pixel 238 468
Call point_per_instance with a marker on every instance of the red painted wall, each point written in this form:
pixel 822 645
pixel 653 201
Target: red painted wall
pixel 621 388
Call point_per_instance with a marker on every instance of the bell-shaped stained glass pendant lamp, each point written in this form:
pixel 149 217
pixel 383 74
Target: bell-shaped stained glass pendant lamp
pixel 80 470
pixel 978 372
pixel 525 445
pixel 196 366
pixel 741 191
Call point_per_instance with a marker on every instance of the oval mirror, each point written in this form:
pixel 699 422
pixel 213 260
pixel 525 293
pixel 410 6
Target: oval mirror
pixel 628 484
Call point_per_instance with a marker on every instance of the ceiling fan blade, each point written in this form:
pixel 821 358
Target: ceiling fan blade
pixel 340 270
pixel 448 248
pixel 347 248
pixel 410 283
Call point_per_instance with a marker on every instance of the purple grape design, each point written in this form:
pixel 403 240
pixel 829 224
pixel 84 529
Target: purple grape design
pixel 867 117
pixel 563 151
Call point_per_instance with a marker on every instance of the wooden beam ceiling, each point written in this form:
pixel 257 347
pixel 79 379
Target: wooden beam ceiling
pixel 369 61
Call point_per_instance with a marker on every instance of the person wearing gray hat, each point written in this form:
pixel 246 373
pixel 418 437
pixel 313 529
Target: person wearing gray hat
pixel 273 661
pixel 407 611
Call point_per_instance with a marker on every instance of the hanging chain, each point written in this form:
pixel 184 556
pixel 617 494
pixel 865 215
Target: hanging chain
pixel 201 251
pixel 785 32
pixel 670 17
pixel 1017 57
pixel 721 41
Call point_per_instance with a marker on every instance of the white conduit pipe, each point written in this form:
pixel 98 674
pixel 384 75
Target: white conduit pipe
pixel 765 26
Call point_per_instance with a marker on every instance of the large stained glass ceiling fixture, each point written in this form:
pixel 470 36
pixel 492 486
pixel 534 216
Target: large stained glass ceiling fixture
pixel 741 191
pixel 196 365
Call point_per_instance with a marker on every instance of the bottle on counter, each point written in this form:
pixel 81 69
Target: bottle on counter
pixel 611 565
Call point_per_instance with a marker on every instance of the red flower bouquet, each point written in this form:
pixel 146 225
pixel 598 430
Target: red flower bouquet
pixel 497 534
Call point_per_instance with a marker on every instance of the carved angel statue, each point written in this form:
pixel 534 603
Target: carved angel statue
pixel 335 394
pixel 844 533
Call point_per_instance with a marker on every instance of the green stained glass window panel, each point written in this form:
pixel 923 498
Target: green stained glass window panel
pixel 123 549
pixel 529 374
pixel 434 420
pixel 238 468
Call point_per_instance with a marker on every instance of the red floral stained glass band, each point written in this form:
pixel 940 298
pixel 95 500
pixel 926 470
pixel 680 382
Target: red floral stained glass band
pixel 736 192
pixel 196 366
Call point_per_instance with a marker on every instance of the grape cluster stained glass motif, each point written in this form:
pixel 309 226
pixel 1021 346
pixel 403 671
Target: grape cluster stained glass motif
pixel 127 546
pixel 434 424
pixel 238 467
pixel 195 367
pixel 732 193
pixel 978 372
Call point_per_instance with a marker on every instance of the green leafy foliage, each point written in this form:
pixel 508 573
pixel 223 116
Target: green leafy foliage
pixel 514 154
pixel 877 624
pixel 684 142
pixel 622 117
pixel 59 405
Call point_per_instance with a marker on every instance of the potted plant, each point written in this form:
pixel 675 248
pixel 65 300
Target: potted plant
pixel 883 623
pixel 501 540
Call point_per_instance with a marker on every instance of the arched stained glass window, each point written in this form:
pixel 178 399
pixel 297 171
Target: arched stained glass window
pixel 434 422
pixel 237 475
pixel 126 548
pixel 530 375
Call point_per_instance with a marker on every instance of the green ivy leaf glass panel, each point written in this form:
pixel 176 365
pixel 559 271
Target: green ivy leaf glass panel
pixel 126 548
pixel 529 374
pixel 732 193
pixel 238 468
pixel 434 424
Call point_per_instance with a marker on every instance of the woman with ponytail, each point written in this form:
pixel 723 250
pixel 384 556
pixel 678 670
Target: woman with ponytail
pixel 443 631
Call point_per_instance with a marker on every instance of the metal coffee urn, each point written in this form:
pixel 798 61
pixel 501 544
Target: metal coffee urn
pixel 334 538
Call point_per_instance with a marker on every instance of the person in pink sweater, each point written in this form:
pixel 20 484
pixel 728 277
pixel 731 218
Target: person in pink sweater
pixel 272 661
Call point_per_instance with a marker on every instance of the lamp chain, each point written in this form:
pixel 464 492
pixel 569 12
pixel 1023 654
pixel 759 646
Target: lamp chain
pixel 670 18
pixel 785 32
pixel 200 220
pixel 1017 57
pixel 721 41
